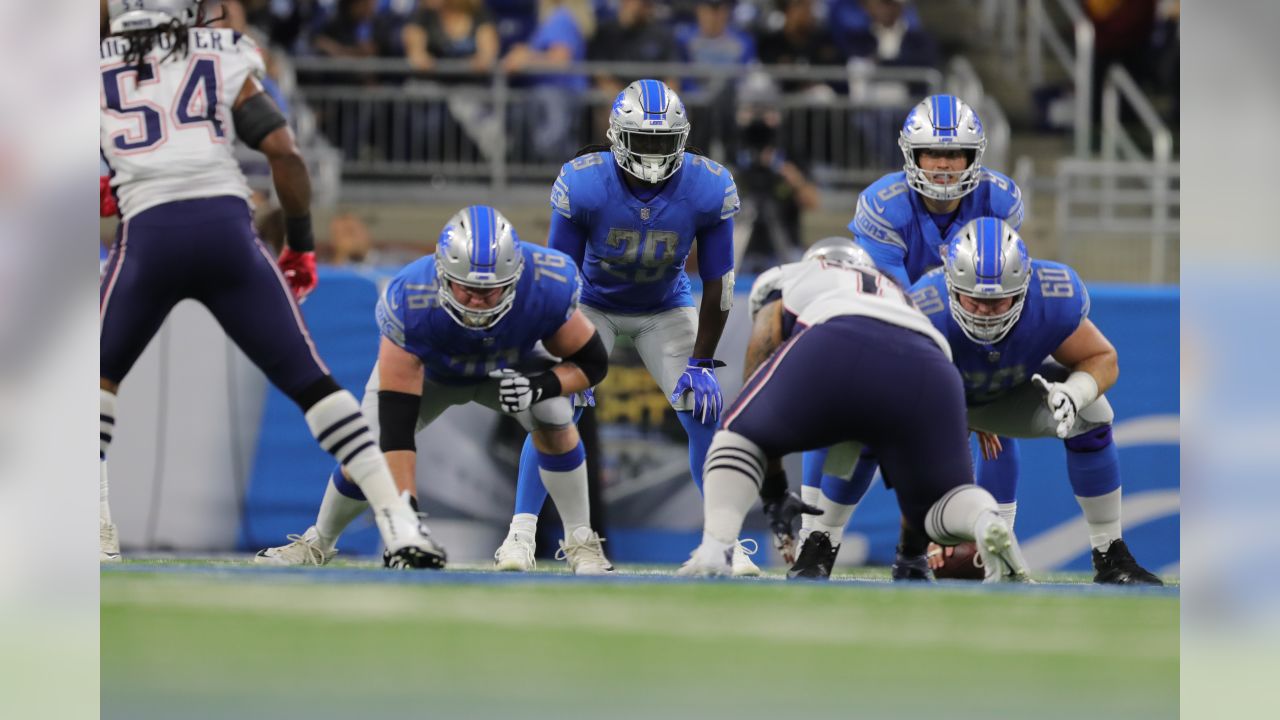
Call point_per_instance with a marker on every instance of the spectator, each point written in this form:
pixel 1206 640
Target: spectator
pixel 559 40
pixel 800 41
pixel 515 20
pixel 451 30
pixel 889 39
pixel 635 36
pixel 350 32
pixel 775 190
pixel 349 239
pixel 1123 32
pixel 713 41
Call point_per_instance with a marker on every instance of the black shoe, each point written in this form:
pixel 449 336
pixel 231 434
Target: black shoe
pixel 914 568
pixel 1116 566
pixel 817 557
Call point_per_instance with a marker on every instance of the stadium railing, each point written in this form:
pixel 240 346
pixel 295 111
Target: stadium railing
pixel 391 121
pixel 1041 32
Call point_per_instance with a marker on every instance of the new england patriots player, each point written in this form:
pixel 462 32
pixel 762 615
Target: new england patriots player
pixel 628 216
pixel 903 220
pixel 838 305
pixel 463 325
pixel 1003 315
pixel 175 97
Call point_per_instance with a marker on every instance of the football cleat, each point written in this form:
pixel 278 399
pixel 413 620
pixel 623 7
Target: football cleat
pixel 1001 557
pixel 817 558
pixel 1117 566
pixel 409 545
pixel 741 562
pixel 705 561
pixel 304 549
pixel 585 553
pixel 908 568
pixel 108 542
pixel 515 554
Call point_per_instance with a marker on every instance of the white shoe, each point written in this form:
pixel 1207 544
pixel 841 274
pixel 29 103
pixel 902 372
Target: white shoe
pixel 408 542
pixel 304 549
pixel 1002 559
pixel 708 562
pixel 742 564
pixel 585 553
pixel 515 554
pixel 108 542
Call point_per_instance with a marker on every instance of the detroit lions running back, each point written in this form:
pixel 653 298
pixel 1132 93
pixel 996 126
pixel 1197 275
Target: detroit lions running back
pixel 838 305
pixel 904 220
pixel 628 216
pixel 463 326
pixel 175 98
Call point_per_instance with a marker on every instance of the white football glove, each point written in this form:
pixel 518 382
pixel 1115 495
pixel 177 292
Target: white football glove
pixel 1065 399
pixel 515 392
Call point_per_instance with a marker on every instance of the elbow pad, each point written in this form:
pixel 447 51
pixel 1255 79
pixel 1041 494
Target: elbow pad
pixel 256 118
pixel 397 420
pixel 726 292
pixel 592 359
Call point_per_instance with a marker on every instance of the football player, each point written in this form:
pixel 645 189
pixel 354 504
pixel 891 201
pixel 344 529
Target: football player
pixel 628 215
pixel 175 97
pixel 904 220
pixel 837 304
pixel 463 325
pixel 1003 315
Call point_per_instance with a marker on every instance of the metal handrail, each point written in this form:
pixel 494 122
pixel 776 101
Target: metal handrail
pixel 1079 65
pixel 1120 84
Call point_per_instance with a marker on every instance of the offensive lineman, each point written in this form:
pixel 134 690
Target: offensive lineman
pixel 903 221
pixel 175 97
pixel 462 326
pixel 628 215
pixel 836 304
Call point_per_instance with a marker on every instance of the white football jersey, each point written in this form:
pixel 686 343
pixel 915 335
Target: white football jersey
pixel 815 292
pixel 166 129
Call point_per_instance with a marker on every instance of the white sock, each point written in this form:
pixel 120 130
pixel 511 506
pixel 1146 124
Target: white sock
pixel 107 427
pixel 340 428
pixel 568 490
pixel 952 518
pixel 730 485
pixel 1008 512
pixel 524 523
pixel 834 518
pixel 337 511
pixel 1103 515
pixel 811 496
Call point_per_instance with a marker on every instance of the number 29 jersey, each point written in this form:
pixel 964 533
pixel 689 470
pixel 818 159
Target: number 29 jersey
pixel 166 130
pixel 636 249
pixel 1057 302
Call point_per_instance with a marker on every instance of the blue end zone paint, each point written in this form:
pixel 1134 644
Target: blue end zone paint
pixel 373 576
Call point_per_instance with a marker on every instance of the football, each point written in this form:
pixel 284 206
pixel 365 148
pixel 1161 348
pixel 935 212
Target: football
pixel 964 564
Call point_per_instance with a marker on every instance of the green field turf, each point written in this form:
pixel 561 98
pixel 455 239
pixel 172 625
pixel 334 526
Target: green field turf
pixel 185 640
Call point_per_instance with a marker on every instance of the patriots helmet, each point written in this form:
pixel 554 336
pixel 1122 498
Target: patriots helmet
pixel 942 122
pixel 136 15
pixel 987 260
pixel 648 127
pixel 479 250
pixel 839 251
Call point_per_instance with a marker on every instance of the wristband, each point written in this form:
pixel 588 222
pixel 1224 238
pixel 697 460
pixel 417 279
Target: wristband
pixel 297 233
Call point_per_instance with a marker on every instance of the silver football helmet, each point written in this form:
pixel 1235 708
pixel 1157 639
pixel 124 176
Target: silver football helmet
pixel 944 122
pixel 987 260
pixel 478 248
pixel 839 251
pixel 133 15
pixel 648 128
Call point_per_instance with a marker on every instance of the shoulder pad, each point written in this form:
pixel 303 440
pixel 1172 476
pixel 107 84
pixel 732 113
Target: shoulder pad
pixel 929 294
pixel 579 185
pixel 1060 285
pixel 767 283
pixel 1005 197
pixel 717 193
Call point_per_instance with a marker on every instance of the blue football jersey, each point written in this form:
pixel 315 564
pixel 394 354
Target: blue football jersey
pixel 1057 302
pixel 893 225
pixel 636 250
pixel 410 315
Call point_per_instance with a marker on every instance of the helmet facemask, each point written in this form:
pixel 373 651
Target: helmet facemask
pixel 924 181
pixel 478 249
pixel 987 260
pixel 987 329
pixel 470 317
pixel 649 155
pixel 942 122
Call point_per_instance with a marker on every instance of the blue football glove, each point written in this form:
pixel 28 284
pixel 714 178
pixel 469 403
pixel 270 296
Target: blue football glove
pixel 700 378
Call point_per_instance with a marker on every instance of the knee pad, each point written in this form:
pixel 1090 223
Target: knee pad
pixel 950 521
pixel 736 453
pixel 553 413
pixel 1090 440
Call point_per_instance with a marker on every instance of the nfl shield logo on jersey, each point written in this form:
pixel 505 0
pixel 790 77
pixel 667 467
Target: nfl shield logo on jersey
pixel 644 213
